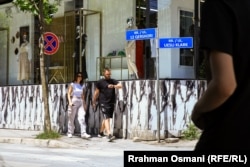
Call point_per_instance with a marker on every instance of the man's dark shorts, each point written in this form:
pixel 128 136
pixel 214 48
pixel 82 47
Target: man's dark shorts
pixel 107 110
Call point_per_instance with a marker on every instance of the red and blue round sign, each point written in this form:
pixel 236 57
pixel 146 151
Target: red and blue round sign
pixel 51 43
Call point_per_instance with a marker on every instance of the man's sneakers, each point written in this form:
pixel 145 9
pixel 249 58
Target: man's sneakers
pixel 110 138
pixel 85 136
pixel 101 135
pixel 69 135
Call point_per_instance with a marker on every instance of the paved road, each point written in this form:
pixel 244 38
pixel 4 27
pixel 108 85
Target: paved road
pixel 15 155
pixel 19 148
pixel 93 153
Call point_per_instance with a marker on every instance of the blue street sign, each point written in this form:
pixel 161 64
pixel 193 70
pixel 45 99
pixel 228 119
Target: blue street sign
pixel 140 34
pixel 183 42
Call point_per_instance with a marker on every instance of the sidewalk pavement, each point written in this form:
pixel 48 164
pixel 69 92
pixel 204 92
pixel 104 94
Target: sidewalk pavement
pixel 28 137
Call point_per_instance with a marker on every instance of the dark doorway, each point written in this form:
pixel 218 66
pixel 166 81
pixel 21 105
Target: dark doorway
pixel 146 17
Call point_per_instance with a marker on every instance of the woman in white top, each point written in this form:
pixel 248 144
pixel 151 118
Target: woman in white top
pixel 77 106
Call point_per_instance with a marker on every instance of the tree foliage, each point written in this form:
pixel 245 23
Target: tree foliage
pixel 32 6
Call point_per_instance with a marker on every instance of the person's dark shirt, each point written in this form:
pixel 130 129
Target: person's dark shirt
pixel 106 95
pixel 224 27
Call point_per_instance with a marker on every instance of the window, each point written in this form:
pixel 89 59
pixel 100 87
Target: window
pixel 186 30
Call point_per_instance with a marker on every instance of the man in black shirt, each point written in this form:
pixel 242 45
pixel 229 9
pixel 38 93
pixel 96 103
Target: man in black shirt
pixel 105 90
pixel 223 111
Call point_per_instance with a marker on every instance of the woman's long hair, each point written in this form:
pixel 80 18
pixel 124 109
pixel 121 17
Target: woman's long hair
pixel 76 76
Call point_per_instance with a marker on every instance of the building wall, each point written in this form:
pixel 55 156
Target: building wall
pixel 114 15
pixel 135 110
pixel 13 22
pixel 113 18
pixel 168 25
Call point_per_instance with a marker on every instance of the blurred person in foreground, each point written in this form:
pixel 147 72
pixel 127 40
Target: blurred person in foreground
pixel 223 112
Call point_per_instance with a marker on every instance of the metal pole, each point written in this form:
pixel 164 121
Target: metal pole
pixel 196 35
pixel 81 35
pixel 157 88
pixel 147 44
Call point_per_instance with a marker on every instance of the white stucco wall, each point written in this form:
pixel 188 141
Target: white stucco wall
pixel 168 24
pixel 114 15
pixel 18 19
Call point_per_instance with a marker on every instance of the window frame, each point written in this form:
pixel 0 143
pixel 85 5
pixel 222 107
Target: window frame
pixel 186 53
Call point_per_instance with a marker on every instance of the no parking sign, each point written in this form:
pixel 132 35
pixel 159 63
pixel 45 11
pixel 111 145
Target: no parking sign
pixel 51 43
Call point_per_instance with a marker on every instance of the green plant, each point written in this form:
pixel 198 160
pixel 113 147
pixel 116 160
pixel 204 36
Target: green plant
pixel 44 9
pixel 191 133
pixel 48 135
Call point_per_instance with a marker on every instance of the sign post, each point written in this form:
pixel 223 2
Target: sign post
pixel 182 42
pixel 158 91
pixel 142 34
pixel 51 46
pixel 152 33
